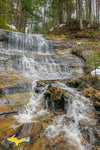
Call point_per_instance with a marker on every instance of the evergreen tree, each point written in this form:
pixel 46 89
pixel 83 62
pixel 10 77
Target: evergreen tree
pixel 4 15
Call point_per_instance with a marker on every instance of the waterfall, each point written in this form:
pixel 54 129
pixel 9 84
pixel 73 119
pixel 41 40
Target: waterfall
pixel 48 68
pixel 33 56
pixel 25 42
pixel 29 112
pixel 76 111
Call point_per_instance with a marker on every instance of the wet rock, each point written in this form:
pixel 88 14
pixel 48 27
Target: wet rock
pixel 40 84
pixel 8 112
pixel 84 141
pixel 54 98
pixel 97 95
pixel 29 129
pixel 98 114
pixel 86 122
pixel 77 82
pixel 5 127
pixel 97 105
pixel 63 44
pixel 89 91
pixel 90 114
pixel 77 52
pixel 19 88
pixel 97 135
pixel 85 134
pixel 84 82
pixel 17 99
pixel 2 92
pixel 97 101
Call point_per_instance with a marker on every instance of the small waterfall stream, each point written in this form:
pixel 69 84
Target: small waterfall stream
pixel 76 111
pixel 44 65
pixel 29 112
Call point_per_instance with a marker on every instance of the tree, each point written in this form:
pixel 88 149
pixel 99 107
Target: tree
pixel 44 14
pixel 80 12
pixel 4 15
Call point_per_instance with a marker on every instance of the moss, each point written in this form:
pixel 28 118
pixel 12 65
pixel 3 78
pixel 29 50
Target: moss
pixel 4 26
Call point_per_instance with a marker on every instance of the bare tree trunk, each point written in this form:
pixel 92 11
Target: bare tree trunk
pixel 44 17
pixel 11 12
pixel 25 21
pixel 80 14
pixel 90 14
pixel 60 13
pixel 69 12
pixel 97 12
pixel 87 10
pixel 77 12
pixel 17 1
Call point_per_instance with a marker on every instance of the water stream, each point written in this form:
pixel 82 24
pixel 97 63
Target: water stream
pixel 44 65
pixel 76 111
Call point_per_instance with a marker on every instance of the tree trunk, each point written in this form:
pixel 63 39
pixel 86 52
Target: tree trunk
pixel 17 1
pixel 97 11
pixel 69 11
pixel 87 10
pixel 80 14
pixel 90 14
pixel 44 17
pixel 77 12
pixel 60 14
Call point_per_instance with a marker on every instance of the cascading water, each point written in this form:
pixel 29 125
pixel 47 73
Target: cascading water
pixel 47 67
pixel 29 112
pixel 25 42
pixel 44 68
pixel 76 111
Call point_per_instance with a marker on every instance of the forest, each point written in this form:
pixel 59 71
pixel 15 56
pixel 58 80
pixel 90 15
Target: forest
pixel 39 16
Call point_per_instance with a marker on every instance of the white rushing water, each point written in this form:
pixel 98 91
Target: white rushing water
pixel 76 111
pixel 35 43
pixel 38 67
pixel 29 113
pixel 46 69
pixel 77 107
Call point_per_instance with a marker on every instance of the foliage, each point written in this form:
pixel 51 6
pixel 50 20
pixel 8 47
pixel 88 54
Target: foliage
pixel 47 13
pixel 4 14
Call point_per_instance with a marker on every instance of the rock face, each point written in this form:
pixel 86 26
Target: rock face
pixel 54 99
